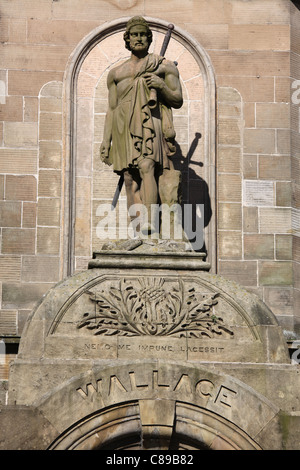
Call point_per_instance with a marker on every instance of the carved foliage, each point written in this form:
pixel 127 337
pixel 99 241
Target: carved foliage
pixel 152 306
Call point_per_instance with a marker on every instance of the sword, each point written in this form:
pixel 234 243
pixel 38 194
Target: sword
pixel 117 191
pixel 153 94
pixel 152 104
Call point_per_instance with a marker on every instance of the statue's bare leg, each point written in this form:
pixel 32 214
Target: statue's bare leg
pixel 132 182
pixel 149 193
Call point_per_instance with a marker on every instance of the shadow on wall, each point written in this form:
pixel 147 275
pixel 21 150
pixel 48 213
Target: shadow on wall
pixel 296 3
pixel 195 190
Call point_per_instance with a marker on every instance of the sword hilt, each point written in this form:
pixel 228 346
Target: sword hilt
pixel 166 40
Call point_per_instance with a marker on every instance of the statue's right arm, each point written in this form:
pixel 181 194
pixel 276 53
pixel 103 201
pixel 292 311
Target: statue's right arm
pixel 112 104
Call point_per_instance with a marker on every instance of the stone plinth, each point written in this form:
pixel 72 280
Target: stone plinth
pixel 150 327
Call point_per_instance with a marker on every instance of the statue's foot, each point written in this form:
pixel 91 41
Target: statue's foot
pixel 149 229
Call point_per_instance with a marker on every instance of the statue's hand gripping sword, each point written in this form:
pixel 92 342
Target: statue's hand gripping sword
pixel 152 104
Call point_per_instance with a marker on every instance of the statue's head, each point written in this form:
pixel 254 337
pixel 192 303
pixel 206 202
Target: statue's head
pixel 136 21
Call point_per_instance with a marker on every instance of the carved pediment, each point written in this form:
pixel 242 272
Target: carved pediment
pixel 153 306
pixel 147 305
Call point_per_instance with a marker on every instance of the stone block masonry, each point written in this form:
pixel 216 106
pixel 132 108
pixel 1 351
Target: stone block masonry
pixel 254 53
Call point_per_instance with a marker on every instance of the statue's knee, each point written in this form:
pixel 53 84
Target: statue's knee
pixel 128 180
pixel 146 167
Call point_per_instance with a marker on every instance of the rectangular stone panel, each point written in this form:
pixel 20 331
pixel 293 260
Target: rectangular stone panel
pixel 243 272
pixel 30 109
pixel 22 295
pixel 18 241
pixel 36 57
pixel 276 273
pixel 48 240
pixel 191 12
pixel 50 126
pixel 259 141
pixel 229 159
pixel 10 268
pixel 10 214
pixel 253 63
pixel 50 104
pixel 50 154
pixel 258 246
pixel 40 269
pixel 275 220
pixel 18 161
pixel 48 212
pixel 29 215
pixel 20 134
pixel 284 247
pixel 230 188
pixel 259 37
pixel 17 30
pixel 26 8
pixel 252 89
pixel 231 110
pixel 250 166
pixel 21 188
pixel 229 132
pixel 64 32
pixel 230 245
pixel 12 110
pixel 49 183
pixel 29 83
pixel 283 194
pixel 8 322
pixel 265 12
pixel 274 167
pixel 258 193
pixel 230 216
pixel 279 300
pixel 273 115
pixel 283 89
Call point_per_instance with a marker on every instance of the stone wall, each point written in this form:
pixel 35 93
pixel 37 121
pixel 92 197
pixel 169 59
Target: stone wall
pixel 253 51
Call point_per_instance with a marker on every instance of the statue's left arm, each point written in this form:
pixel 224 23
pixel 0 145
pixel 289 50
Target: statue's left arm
pixel 169 87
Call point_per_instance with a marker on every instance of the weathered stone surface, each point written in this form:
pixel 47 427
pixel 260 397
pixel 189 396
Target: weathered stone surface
pixel 117 313
pixel 31 431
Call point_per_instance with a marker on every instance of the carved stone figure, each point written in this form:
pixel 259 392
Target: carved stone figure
pixel 140 139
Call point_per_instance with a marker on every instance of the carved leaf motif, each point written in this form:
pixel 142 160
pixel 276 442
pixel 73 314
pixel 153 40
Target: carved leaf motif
pixel 150 306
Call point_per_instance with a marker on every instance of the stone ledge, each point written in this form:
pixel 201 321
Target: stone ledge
pixel 155 260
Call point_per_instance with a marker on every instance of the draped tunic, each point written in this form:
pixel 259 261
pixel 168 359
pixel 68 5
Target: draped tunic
pixel 140 132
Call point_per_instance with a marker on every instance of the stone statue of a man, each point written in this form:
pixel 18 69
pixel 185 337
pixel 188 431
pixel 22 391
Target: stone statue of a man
pixel 139 140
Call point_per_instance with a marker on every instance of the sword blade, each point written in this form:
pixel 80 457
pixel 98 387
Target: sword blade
pixel 117 192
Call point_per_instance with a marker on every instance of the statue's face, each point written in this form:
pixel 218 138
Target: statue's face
pixel 138 38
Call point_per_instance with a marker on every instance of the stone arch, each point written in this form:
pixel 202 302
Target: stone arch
pixel 70 95
pixel 121 427
pixel 186 407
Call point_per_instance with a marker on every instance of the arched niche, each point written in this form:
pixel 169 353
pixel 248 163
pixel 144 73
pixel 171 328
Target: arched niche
pixel 87 182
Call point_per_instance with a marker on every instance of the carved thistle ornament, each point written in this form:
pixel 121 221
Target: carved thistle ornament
pixel 153 306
